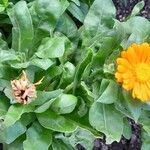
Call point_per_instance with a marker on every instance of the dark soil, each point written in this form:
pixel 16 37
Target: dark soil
pixel 133 144
pixel 124 8
pixel 1 147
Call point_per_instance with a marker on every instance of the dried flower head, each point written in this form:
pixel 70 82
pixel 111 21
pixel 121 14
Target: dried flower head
pixel 133 70
pixel 23 90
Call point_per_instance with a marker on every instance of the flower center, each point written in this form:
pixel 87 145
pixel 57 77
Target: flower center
pixel 142 72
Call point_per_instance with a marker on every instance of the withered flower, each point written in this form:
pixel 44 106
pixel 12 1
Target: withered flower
pixel 23 90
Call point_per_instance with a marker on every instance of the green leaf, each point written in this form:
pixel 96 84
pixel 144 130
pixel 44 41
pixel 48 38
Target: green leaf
pixel 55 122
pixel 43 96
pixel 82 109
pixel 37 133
pixel 7 55
pixel 28 118
pixel 14 113
pixel 2 8
pixel 64 104
pixel 77 11
pixel 60 145
pixel 144 121
pixel 51 47
pixel 4 105
pixel 139 30
pixel 9 94
pixel 50 11
pixel 4 84
pixel 4 2
pixel 81 67
pixel 137 8
pixel 67 75
pixel 107 120
pixel 145 141
pixel 133 105
pixel 101 12
pixel 22 32
pixel 77 2
pixel 83 137
pixel 17 144
pixel 109 95
pixel 42 63
pixel 3 44
pixel 127 131
pixel 45 106
pixel 67 26
pixel 19 65
pixel 9 134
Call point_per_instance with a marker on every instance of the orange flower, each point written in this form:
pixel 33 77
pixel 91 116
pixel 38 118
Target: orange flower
pixel 133 70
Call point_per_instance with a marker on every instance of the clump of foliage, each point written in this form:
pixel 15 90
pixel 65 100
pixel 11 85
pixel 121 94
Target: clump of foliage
pixel 74 45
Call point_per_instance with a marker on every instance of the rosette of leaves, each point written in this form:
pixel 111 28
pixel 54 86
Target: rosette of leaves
pixel 74 45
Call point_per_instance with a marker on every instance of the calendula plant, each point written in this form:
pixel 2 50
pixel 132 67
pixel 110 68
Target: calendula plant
pixel 70 73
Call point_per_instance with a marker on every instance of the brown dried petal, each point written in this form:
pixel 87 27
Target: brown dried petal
pixel 23 90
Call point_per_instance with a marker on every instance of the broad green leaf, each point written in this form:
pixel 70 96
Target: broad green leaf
pixel 19 65
pixel 3 44
pixel 22 32
pixel 82 109
pixel 104 84
pixel 67 75
pixel 101 12
pixel 4 2
pixel 8 55
pixel 51 47
pixel 64 104
pixel 4 105
pixel 42 63
pixel 17 144
pixel 55 122
pixel 84 92
pixel 43 96
pixel 77 11
pixel 83 137
pixel 139 30
pixel 110 93
pixel 14 113
pixel 87 90
pixel 121 105
pixel 60 145
pixel 144 121
pixel 50 11
pixel 81 67
pixel 54 71
pixel 45 106
pixel 9 94
pixel 4 84
pixel 127 131
pixel 2 8
pixel 107 120
pixel 133 105
pixel 9 134
pixel 145 141
pixel 28 118
pixel 37 138
pixel 67 26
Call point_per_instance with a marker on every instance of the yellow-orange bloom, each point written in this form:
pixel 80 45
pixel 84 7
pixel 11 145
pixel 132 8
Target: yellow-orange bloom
pixel 133 70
